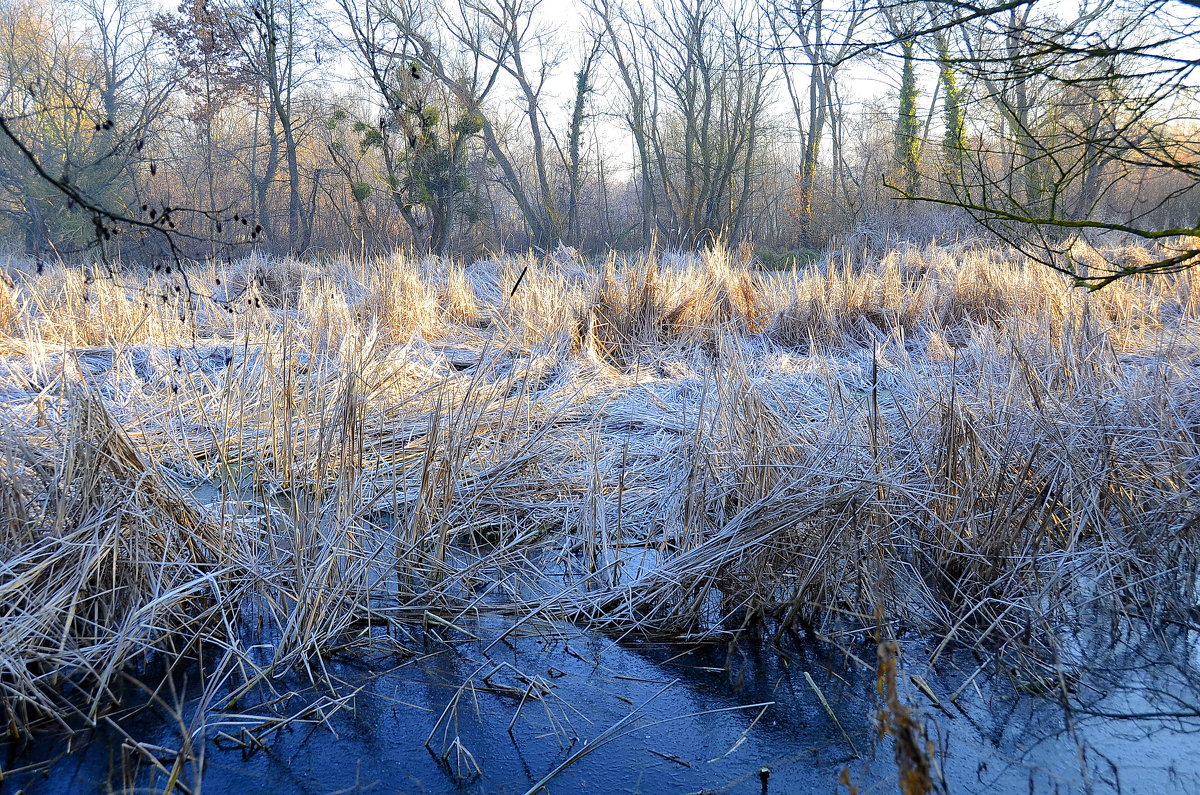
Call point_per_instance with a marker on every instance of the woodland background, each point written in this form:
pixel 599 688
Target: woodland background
pixel 455 127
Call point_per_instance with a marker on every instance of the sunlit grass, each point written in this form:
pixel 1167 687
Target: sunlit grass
pixel 287 452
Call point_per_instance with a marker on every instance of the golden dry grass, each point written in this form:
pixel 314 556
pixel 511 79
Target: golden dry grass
pixel 10 310
pixel 948 438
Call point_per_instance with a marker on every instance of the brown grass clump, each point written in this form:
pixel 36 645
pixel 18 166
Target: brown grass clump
pixel 532 305
pixel 627 312
pixel 962 445
pixel 84 307
pixel 330 313
pixel 401 301
pixel 733 297
pixel 10 309
pixel 642 307
pixel 457 299
pixel 978 292
pixel 850 306
pixel 110 568
pixel 72 308
pixel 273 282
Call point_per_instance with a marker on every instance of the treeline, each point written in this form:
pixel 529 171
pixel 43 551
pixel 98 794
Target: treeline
pixel 457 126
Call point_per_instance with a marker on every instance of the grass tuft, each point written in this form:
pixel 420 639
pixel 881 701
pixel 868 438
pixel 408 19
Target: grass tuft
pixel 275 455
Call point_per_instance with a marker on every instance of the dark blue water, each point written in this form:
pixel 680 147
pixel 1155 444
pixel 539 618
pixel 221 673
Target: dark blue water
pixel 498 715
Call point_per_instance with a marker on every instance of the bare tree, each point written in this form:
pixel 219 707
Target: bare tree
pixel 281 48
pixel 698 89
pixel 204 44
pixel 82 96
pixel 1098 107
pixel 508 34
pixel 825 37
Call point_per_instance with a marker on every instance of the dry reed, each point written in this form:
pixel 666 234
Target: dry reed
pixel 950 438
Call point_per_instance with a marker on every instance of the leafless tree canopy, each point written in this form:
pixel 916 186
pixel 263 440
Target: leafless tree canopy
pixel 458 126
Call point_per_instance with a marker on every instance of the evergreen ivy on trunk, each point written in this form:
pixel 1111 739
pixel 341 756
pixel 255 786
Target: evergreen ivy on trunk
pixel 908 126
pixel 954 141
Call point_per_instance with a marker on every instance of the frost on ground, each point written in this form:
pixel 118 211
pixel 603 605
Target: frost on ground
pixel 943 441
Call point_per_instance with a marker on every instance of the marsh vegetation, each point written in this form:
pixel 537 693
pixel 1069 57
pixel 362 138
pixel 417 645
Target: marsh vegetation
pixel 243 476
